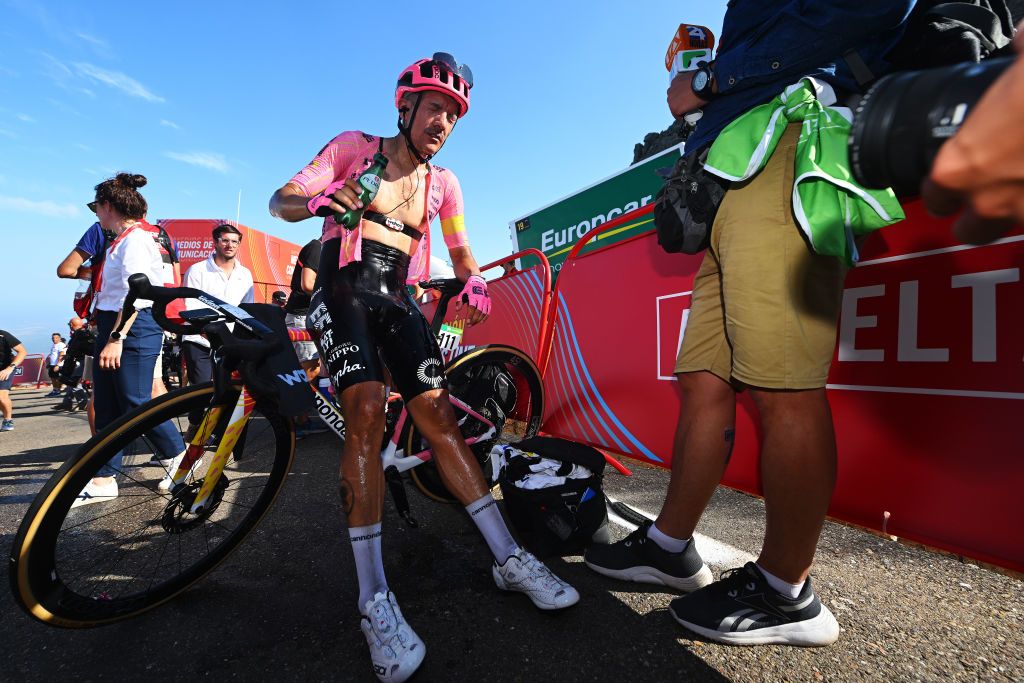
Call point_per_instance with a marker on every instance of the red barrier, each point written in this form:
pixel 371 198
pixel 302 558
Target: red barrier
pixel 925 389
pixel 30 371
pixel 519 306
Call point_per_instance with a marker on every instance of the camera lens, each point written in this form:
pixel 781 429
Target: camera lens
pixel 904 118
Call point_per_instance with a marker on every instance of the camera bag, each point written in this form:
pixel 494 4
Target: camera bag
pixel 554 511
pixel 686 205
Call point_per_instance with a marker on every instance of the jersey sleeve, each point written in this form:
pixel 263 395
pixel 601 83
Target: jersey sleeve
pixel 310 255
pixel 453 224
pixel 93 241
pixel 329 164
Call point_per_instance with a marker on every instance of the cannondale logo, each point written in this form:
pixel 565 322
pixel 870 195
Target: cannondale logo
pixel 429 372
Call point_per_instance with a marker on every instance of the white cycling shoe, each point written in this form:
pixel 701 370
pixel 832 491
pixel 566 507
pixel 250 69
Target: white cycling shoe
pixel 525 573
pixel 395 649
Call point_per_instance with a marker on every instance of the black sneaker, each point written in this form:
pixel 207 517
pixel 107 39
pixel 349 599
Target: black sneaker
pixel 742 609
pixel 637 558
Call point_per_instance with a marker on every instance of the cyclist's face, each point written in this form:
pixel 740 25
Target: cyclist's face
pixel 435 119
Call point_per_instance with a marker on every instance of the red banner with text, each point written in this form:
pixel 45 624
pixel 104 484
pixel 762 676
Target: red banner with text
pixel 926 388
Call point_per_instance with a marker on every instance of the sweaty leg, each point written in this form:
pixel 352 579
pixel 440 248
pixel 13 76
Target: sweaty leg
pixel 361 484
pixel 798 472
pixel 703 443
pixel 432 412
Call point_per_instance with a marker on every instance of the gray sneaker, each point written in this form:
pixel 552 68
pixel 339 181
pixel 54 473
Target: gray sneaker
pixel 638 558
pixel 8 425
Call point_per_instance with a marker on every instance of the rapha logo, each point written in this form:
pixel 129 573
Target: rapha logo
pixel 345 369
pixel 294 377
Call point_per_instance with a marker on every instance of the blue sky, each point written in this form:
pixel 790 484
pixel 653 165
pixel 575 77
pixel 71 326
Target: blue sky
pixel 209 99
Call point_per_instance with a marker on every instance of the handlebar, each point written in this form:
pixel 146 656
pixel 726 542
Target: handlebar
pixel 449 289
pixel 139 287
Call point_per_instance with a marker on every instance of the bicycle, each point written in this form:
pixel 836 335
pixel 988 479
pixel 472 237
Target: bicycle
pixel 105 562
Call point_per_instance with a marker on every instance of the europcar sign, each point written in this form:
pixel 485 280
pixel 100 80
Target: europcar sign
pixel 556 228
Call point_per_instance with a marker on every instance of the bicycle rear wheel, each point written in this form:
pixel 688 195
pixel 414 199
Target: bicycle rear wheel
pixel 100 563
pixel 499 382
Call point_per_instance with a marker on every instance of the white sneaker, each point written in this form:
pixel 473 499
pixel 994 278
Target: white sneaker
pixel 95 493
pixel 395 649
pixel 525 573
pixel 172 467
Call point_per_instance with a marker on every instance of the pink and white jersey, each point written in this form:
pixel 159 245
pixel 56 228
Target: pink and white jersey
pixel 351 153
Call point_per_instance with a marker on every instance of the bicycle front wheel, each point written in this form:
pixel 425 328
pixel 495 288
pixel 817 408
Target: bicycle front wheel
pixel 99 563
pixel 502 384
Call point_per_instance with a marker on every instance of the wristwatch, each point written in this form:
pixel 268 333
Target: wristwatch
pixel 116 336
pixel 703 81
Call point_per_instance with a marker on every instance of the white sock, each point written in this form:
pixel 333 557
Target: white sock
pixel 485 514
pixel 790 590
pixel 369 562
pixel 666 542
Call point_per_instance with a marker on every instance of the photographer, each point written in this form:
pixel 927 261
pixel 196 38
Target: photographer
pixel 982 166
pixel 763 318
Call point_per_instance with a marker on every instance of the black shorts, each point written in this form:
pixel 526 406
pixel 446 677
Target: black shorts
pixel 364 312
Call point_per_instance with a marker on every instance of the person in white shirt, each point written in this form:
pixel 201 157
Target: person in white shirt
pixel 222 276
pixel 125 355
pixel 53 360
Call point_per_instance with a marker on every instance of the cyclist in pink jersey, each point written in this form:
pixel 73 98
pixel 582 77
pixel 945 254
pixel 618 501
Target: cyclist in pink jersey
pixel 361 311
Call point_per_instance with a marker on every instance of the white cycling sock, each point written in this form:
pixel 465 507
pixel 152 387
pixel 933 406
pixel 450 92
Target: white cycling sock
pixel 487 517
pixel 790 590
pixel 666 542
pixel 369 562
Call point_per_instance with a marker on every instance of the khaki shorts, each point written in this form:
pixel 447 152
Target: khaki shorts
pixel 764 308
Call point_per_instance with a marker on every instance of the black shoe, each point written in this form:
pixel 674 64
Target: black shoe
pixel 742 609
pixel 638 558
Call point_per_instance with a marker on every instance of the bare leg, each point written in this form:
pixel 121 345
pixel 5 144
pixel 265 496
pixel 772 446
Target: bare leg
pixel 798 473
pixel 361 481
pixel 432 412
pixel 5 404
pixel 704 440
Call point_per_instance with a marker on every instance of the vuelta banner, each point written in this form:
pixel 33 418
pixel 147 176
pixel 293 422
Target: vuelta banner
pixel 516 303
pixel 556 228
pixel 271 259
pixel 927 386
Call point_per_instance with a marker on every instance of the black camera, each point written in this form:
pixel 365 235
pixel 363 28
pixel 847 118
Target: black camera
pixel 902 121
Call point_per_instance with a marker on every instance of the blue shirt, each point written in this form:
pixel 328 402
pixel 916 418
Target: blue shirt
pixel 767 45
pixel 93 243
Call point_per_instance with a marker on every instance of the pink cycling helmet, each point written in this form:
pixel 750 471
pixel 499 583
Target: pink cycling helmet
pixel 440 73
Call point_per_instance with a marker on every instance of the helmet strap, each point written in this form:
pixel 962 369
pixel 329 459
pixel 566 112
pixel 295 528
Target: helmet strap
pixel 406 131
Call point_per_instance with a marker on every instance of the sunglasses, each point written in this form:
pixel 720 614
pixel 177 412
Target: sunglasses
pixel 449 63
pixel 92 206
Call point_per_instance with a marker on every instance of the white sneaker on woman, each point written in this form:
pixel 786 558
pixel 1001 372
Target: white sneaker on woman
pixel 525 573
pixel 96 493
pixel 395 649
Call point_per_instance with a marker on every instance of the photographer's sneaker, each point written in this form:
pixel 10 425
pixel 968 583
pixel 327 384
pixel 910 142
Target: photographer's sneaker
pixel 395 649
pixel 638 558
pixel 524 573
pixel 7 425
pixel 742 609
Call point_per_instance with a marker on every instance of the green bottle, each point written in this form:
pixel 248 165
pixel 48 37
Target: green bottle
pixel 370 183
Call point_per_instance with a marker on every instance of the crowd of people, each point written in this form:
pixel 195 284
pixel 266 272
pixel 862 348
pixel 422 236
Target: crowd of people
pixel 763 321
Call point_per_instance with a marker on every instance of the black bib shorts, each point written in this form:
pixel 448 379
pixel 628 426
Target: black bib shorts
pixel 364 312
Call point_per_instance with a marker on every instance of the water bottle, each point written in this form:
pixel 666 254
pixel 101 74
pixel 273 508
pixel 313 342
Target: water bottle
pixel 369 183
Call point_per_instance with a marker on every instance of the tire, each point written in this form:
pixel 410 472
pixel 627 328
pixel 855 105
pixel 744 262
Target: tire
pixel 522 415
pixel 108 561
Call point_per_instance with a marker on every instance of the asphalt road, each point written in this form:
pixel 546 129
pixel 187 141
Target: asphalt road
pixel 283 606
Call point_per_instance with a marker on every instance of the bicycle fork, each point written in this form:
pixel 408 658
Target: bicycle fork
pixel 197 447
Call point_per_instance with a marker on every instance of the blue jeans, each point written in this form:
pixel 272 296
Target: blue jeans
pixel 117 392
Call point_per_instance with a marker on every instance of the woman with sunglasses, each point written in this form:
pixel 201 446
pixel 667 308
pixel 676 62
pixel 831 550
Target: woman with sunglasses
pixel 123 374
pixel 361 305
